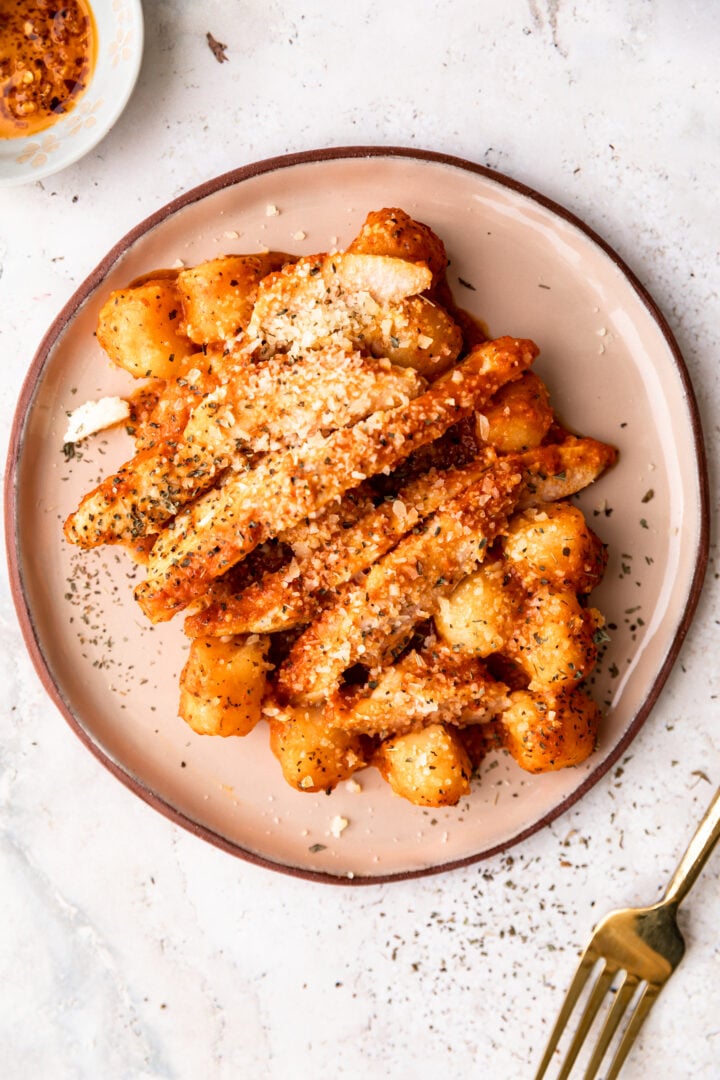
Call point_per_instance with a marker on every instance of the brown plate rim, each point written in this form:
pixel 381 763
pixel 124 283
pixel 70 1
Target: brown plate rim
pixel 79 297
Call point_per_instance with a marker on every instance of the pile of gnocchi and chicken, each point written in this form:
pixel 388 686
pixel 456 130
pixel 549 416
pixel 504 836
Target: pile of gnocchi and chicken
pixel 359 504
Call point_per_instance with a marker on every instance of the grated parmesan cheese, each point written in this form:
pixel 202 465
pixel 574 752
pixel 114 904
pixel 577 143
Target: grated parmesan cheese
pixel 95 416
pixel 338 825
pixel 483 426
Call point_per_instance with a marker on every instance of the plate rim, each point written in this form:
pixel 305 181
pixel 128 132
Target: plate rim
pixel 25 399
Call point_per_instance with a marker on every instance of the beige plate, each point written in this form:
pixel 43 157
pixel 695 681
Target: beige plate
pixel 529 269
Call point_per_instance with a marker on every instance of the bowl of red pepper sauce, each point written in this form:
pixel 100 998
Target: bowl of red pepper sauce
pixel 67 70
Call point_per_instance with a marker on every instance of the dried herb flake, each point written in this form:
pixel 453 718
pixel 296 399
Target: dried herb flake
pixel 217 48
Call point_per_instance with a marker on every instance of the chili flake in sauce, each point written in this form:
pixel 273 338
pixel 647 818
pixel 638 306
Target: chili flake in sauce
pixel 47 55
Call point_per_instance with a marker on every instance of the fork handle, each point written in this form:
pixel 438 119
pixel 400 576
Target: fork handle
pixel 698 851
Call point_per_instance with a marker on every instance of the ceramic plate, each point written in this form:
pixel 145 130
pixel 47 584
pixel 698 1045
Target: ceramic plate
pixel 527 268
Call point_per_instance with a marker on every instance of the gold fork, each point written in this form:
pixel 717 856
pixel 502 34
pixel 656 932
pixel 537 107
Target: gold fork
pixel 642 946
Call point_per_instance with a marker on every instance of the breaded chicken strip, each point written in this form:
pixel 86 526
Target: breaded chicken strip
pixel 374 616
pixel 223 526
pixel 260 407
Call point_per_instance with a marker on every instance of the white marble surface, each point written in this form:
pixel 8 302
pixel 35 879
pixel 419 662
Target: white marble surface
pixel 128 947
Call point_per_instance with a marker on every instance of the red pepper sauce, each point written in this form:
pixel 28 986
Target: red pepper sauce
pixel 47 55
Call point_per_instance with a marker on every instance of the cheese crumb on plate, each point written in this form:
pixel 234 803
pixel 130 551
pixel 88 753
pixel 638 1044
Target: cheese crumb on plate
pixel 95 416
pixel 338 825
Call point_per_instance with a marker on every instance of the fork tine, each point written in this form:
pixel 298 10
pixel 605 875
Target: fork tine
pixel 587 962
pixel 623 998
pixel 645 1002
pixel 593 1003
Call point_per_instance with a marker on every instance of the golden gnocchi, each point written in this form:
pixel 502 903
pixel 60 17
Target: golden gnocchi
pixel 554 545
pixel 479 615
pixel 223 684
pixel 430 767
pixel 312 755
pixel 140 328
pixel 544 731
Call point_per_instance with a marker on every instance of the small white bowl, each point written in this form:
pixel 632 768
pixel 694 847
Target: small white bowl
pixel 119 26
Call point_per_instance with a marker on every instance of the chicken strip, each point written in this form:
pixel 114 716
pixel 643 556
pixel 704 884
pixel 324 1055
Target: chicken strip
pixel 373 617
pixel 430 686
pixel 294 593
pixel 290 595
pixel 392 231
pixel 260 407
pixel 330 298
pixel 223 526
